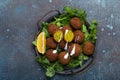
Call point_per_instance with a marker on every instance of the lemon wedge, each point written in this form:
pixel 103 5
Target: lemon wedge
pixel 41 43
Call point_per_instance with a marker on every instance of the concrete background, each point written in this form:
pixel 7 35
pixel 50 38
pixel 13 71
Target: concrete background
pixel 18 27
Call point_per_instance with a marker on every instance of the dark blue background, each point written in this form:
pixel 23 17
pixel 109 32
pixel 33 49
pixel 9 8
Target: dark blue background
pixel 18 27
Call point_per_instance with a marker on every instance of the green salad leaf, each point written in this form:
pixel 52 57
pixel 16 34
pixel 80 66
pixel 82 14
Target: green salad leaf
pixel 75 12
pixel 45 24
pixel 75 62
pixel 59 50
pixel 50 72
pixel 51 68
pixel 44 29
pixel 34 43
pixel 93 30
pixel 85 31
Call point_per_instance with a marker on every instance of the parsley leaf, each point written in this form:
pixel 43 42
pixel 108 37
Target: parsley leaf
pixel 93 31
pixel 87 35
pixel 34 43
pixel 50 72
pixel 46 32
pixel 44 29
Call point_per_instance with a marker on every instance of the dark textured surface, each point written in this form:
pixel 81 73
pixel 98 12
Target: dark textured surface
pixel 18 27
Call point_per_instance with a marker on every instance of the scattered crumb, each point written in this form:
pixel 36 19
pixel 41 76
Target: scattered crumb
pixel 39 69
pixel 110 27
pixel 99 1
pixel 105 18
pixel 108 34
pixel 103 51
pixel 34 6
pixel 102 29
pixel 50 1
pixel 7 30
pixel 114 33
pixel 112 16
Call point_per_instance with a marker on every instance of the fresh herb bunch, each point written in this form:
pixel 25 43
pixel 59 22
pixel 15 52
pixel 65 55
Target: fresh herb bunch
pixel 64 19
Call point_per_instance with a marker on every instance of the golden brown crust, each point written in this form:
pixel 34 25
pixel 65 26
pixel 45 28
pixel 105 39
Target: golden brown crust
pixel 52 57
pixel 88 48
pixel 62 59
pixel 52 28
pixel 50 42
pixel 76 23
pixel 79 36
pixel 78 49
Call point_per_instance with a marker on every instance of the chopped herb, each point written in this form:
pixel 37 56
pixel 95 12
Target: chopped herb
pixel 50 72
pixel 93 31
pixel 51 68
pixel 34 43
pixel 45 24
pixel 59 50
pixel 87 35
pixel 85 58
pixel 46 32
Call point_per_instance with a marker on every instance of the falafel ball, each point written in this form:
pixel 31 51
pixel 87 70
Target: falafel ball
pixel 62 44
pixel 76 23
pixel 75 50
pixel 79 36
pixel 64 28
pixel 52 28
pixel 88 48
pixel 52 55
pixel 50 42
pixel 64 58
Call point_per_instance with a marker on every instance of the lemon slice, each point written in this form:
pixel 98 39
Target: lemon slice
pixel 58 36
pixel 41 43
pixel 68 36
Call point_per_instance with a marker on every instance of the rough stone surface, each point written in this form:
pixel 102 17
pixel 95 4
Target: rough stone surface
pixel 18 27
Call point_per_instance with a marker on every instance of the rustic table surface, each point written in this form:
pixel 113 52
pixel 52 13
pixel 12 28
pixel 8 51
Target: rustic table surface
pixel 18 27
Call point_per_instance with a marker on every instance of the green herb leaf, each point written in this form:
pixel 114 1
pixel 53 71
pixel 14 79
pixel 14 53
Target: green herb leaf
pixel 80 63
pixel 59 50
pixel 45 60
pixel 67 9
pixel 46 32
pixel 85 58
pixel 50 72
pixel 87 35
pixel 82 14
pixel 93 31
pixel 34 43
pixel 58 67
pixel 38 59
pixel 73 63
pixel 45 24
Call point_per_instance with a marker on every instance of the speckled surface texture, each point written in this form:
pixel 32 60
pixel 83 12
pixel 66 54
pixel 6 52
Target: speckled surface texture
pixel 18 27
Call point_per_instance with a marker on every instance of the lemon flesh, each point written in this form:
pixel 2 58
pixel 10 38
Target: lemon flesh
pixel 41 43
pixel 68 36
pixel 58 36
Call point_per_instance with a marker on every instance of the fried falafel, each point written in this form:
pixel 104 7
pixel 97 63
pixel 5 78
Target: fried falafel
pixel 50 42
pixel 64 28
pixel 52 55
pixel 75 50
pixel 64 58
pixel 88 48
pixel 76 22
pixel 79 36
pixel 52 28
